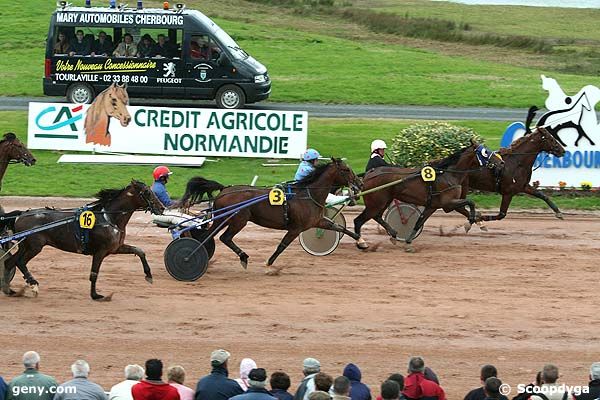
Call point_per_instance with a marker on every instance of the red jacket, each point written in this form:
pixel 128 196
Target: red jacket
pixel 416 386
pixel 153 390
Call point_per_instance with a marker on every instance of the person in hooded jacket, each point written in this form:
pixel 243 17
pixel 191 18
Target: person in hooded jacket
pixel 217 386
pixel 417 386
pixel 257 381
pixel 246 366
pixel 358 390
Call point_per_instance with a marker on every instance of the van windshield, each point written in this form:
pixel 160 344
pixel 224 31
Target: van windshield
pixel 226 40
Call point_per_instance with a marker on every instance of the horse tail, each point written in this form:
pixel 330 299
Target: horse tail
pixel 530 116
pixel 197 187
pixel 7 220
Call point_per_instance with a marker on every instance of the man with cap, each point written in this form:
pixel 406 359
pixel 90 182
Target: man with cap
pixel 378 147
pixel 257 382
pixel 312 367
pixel 309 162
pixel 217 386
pixel 417 386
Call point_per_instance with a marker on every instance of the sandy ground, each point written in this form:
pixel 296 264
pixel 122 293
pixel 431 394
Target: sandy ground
pixel 522 294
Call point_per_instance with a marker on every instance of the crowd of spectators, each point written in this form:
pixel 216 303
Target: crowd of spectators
pixel 148 383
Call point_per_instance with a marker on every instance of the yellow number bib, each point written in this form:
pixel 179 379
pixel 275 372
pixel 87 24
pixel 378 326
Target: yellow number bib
pixel 87 220
pixel 428 174
pixel 276 197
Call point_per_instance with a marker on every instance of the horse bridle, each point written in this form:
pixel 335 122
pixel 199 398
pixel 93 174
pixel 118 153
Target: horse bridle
pixel 146 197
pixel 21 158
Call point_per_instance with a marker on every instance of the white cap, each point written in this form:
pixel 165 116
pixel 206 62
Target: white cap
pixel 378 144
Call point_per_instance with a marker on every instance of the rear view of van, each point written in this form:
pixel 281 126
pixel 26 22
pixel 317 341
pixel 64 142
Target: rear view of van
pixel 158 53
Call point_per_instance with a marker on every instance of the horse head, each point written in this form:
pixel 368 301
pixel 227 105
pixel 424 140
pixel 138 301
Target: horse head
pixel 546 141
pixel 11 149
pixel 144 198
pixel 345 176
pixel 115 103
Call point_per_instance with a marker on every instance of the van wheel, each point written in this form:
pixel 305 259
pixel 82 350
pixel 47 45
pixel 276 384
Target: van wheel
pixel 80 93
pixel 230 96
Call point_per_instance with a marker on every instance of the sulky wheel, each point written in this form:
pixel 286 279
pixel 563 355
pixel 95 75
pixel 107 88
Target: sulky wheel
pixel 321 242
pixel 200 235
pixel 186 259
pixel 403 217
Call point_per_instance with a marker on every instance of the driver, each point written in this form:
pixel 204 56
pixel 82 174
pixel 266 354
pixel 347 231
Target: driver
pixel 310 158
pixel 171 215
pixel 378 147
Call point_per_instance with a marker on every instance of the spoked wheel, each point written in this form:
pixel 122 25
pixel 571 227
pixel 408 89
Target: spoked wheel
pixel 186 259
pixel 403 217
pixel 321 242
pixel 200 235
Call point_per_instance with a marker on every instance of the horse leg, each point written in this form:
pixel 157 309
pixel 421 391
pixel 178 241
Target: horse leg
pixel 530 190
pixel 285 242
pixel 96 262
pixel 388 228
pixel 506 199
pixel 235 225
pixel 19 260
pixel 360 220
pixel 428 212
pixel 326 223
pixel 128 249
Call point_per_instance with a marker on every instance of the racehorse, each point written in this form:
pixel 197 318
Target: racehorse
pixel 195 190
pixel 112 102
pixel 304 209
pixel 112 211
pixel 515 176
pixel 445 192
pixel 13 151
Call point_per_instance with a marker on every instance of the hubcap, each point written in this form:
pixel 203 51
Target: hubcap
pixel 81 95
pixel 230 99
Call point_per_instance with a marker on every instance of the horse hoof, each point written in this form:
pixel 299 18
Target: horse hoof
pixel 35 290
pixel 99 297
pixel 244 264
pixel 149 280
pixel 559 215
pixel 272 271
pixel 409 249
pixel 467 226
pixel 483 228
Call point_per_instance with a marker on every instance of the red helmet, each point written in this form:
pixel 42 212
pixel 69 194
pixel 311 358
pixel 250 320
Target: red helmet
pixel 161 171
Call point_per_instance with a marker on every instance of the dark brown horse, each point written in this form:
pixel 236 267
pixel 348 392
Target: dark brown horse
pixel 515 176
pixel 112 211
pixel 304 209
pixel 13 151
pixel 445 192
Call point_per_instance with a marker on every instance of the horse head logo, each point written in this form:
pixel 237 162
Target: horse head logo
pixel 576 112
pixel 112 102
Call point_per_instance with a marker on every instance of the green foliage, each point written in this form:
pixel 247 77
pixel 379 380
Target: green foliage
pixel 420 143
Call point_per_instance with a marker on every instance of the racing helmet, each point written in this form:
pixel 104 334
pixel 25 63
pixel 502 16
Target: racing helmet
pixel 310 154
pixel 160 171
pixel 378 144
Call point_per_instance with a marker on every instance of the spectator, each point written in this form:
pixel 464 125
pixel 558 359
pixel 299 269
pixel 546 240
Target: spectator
pixel 319 395
pixel 80 46
pixel 122 391
pixel 246 366
pixel 312 367
pixel 416 386
pixel 487 371
pixel 126 48
pixel 31 377
pixel 257 383
pixel 323 382
pixel 80 388
pixel 430 375
pixel 549 387
pixel 491 387
pixel 529 388
pixel 358 391
pixel 145 46
pixel 390 390
pixel 163 48
pixel 102 46
pixel 280 383
pixel 62 46
pixel 3 387
pixel 217 386
pixel 153 387
pixel 176 377
pixel 399 379
pixel 594 385
pixel 341 388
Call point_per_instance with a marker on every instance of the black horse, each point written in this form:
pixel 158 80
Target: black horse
pixel 112 212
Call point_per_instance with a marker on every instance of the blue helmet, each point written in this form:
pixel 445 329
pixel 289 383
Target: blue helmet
pixel 310 154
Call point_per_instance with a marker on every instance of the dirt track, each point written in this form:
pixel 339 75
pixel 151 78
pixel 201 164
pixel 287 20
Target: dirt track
pixel 523 294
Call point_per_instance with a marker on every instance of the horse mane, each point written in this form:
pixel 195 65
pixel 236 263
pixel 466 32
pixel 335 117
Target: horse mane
pixel 314 175
pixel 513 145
pixel 450 160
pixel 105 196
pixel 8 137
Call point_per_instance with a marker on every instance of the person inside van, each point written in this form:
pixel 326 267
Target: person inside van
pixel 80 46
pixel 126 48
pixel 62 46
pixel 145 46
pixel 103 45
pixel 163 48
pixel 199 48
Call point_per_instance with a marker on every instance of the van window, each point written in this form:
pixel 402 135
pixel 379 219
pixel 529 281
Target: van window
pixel 233 47
pixel 203 47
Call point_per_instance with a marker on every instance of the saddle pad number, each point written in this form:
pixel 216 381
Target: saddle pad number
pixel 428 174
pixel 87 220
pixel 276 197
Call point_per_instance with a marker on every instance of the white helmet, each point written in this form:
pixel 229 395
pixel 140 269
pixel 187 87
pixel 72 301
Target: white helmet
pixel 378 144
